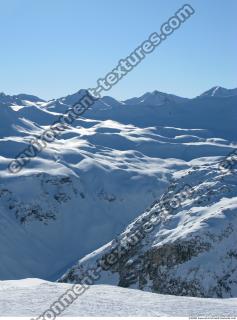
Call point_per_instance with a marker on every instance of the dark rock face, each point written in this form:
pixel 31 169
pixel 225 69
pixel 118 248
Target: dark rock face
pixel 58 188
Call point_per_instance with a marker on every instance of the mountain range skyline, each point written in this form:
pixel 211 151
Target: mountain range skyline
pixel 213 91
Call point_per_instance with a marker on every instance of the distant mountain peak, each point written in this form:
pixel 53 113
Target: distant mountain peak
pixel 219 91
pixel 73 98
pixel 18 99
pixel 155 98
pixel 28 97
pixel 156 92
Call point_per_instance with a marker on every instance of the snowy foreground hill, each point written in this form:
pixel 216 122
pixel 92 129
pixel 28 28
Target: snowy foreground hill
pixel 95 182
pixel 32 297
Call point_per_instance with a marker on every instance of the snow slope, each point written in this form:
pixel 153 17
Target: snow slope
pixel 32 297
pixel 89 184
pixel 190 249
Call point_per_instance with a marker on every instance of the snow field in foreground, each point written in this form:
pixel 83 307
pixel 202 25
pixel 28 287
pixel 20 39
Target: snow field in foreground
pixel 32 297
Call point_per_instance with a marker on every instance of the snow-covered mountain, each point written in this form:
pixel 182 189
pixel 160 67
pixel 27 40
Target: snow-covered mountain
pixel 18 99
pixel 189 248
pixel 219 92
pixel 99 175
pixel 155 98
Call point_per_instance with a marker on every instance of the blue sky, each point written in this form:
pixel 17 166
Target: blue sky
pixel 51 48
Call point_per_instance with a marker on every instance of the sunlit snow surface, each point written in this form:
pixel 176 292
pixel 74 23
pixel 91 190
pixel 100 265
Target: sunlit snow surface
pixel 32 297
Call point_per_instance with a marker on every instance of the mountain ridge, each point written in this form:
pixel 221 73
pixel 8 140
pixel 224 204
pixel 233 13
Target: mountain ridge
pixel 154 97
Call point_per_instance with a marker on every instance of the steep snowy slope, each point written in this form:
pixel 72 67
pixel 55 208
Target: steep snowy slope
pixel 87 185
pixel 185 247
pixel 32 297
